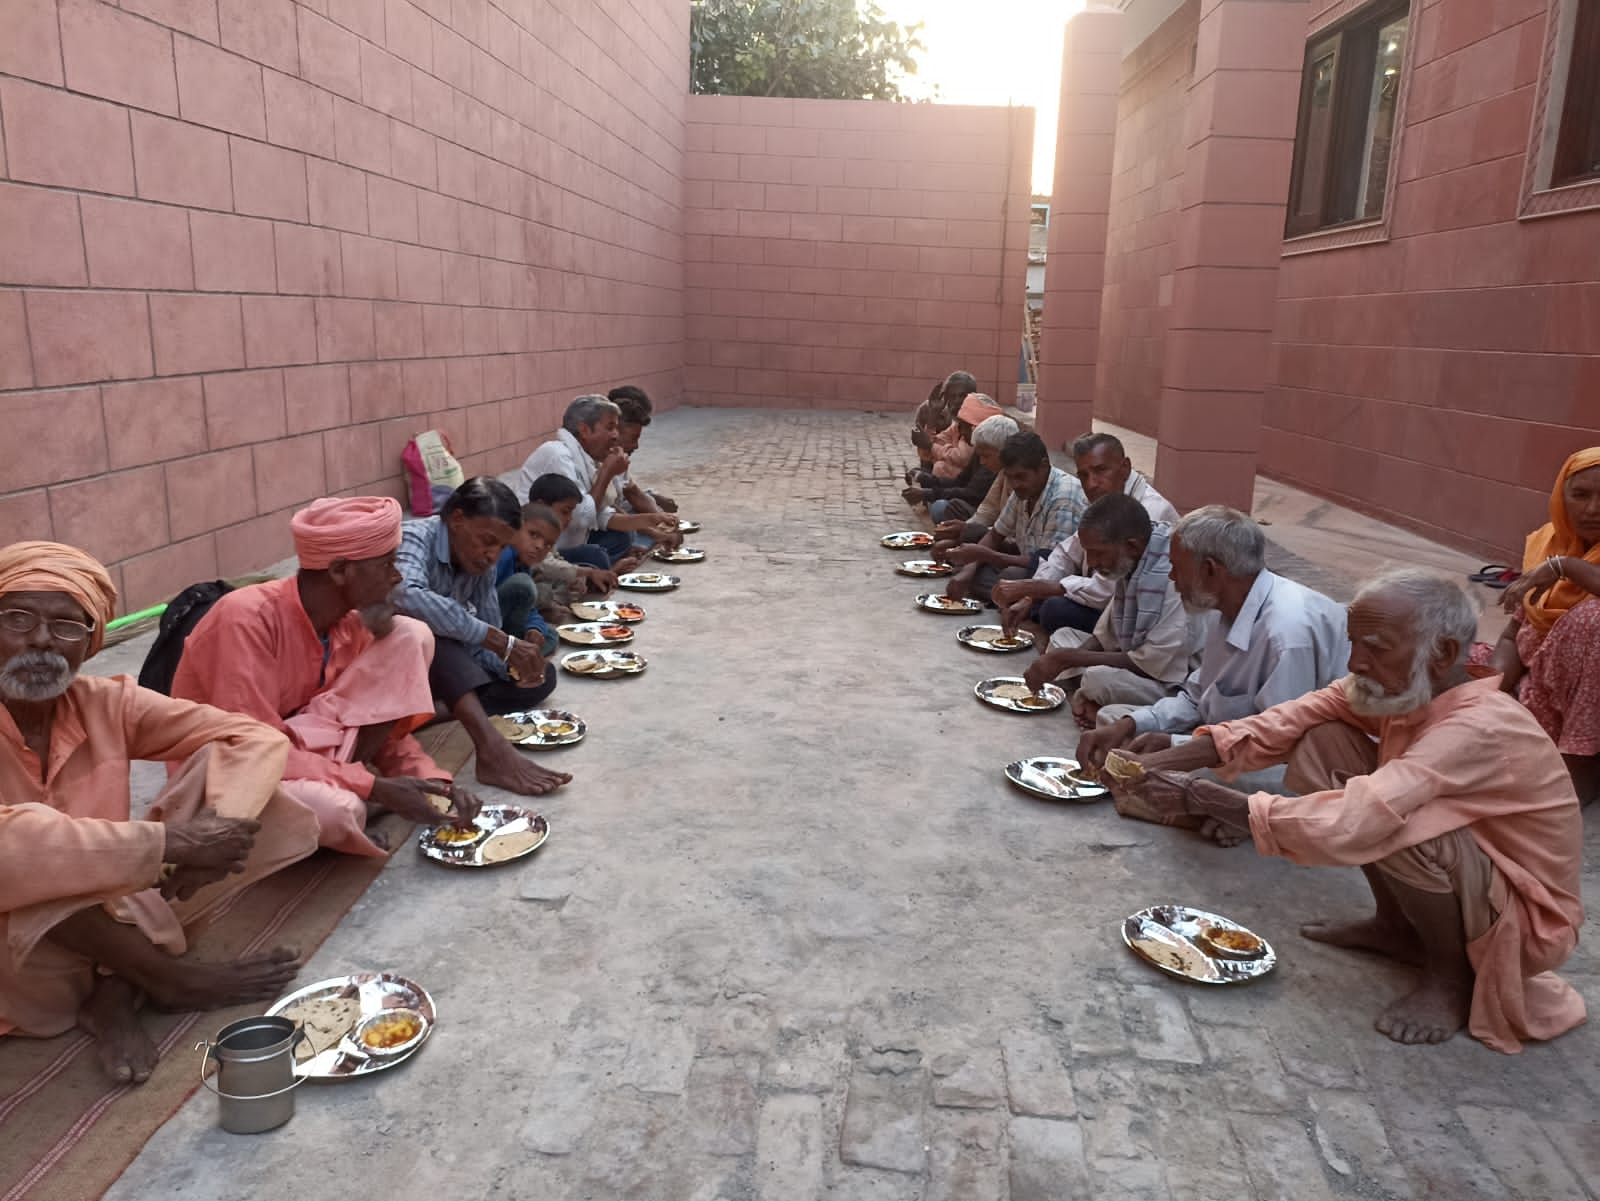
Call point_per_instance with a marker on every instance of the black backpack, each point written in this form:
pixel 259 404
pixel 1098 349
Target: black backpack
pixel 183 613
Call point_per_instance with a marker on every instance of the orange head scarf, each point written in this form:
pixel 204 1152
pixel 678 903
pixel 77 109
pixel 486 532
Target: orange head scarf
pixel 1559 538
pixel 53 567
pixel 360 527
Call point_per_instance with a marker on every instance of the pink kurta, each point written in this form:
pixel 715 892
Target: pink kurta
pixel 950 452
pixel 1472 758
pixel 66 841
pixel 256 652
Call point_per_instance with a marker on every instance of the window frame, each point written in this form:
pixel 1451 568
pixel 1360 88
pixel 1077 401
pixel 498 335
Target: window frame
pixel 1346 134
pixel 1578 141
pixel 1544 192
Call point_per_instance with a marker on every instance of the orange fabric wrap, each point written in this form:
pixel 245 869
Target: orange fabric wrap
pixel 1559 538
pixel 54 567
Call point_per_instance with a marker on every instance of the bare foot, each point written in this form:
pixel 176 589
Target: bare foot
pixel 1224 835
pixel 1433 1013
pixel 111 1017
pixel 1382 938
pixel 508 769
pixel 185 983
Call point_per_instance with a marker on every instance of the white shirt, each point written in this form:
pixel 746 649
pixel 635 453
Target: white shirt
pixel 1068 566
pixel 1287 640
pixel 564 455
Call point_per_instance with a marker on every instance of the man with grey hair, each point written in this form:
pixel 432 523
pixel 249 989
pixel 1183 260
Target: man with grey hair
pixel 1447 794
pixel 957 498
pixel 1276 641
pixel 587 450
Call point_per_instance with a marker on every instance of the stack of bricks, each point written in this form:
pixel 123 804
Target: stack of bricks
pixel 844 254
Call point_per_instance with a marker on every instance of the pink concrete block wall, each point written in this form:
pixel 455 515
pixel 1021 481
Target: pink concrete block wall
pixel 1146 190
pixel 844 254
pixel 249 247
pixel 1440 377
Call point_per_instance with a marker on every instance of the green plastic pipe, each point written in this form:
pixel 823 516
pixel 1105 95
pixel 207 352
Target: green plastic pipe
pixel 152 611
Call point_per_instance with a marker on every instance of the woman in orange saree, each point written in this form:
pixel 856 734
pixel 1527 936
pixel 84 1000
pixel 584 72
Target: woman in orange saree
pixel 1549 654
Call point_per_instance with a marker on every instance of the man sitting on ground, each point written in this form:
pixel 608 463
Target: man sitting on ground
pixel 586 450
pixel 951 529
pixel 1144 643
pixel 634 413
pixel 517 590
pixel 1446 793
pixel 950 495
pixel 322 657
pixel 447 567
pixel 1276 641
pixel 89 922
pixel 935 414
pixel 1043 510
pixel 1063 591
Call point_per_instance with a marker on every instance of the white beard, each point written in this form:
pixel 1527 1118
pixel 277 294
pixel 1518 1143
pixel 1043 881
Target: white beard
pixel 1369 699
pixel 1201 602
pixel 16 686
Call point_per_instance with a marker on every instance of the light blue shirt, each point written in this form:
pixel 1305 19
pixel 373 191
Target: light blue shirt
pixel 1287 640
pixel 452 603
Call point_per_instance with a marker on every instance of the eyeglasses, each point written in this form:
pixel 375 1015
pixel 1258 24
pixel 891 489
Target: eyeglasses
pixel 62 629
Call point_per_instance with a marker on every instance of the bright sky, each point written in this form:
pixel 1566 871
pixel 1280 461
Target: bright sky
pixel 993 52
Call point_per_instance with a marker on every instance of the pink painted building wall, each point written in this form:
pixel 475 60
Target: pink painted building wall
pixel 844 254
pixel 1435 368
pixel 249 247
pixel 1442 376
pixel 1147 179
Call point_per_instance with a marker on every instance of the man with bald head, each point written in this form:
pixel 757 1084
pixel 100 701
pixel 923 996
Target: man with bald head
pixel 95 908
pixel 323 657
pixel 1446 793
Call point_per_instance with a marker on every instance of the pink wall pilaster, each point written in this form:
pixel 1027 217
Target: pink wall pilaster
pixel 1091 76
pixel 1238 151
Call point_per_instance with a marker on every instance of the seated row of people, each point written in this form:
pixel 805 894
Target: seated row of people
pixel 291 724
pixel 1252 707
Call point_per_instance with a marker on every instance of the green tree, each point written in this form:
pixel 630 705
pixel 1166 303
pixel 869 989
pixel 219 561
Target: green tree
pixel 815 49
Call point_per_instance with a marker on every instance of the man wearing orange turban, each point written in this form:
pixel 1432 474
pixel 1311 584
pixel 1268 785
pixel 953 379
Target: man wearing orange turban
pixel 87 922
pixel 1549 654
pixel 322 657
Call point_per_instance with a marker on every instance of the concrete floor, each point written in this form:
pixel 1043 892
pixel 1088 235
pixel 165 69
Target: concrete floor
pixel 794 937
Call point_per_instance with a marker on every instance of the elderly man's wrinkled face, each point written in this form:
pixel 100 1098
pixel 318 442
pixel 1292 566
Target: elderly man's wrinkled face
pixel 1194 578
pixel 1103 471
pixel 476 542
pixel 1114 559
pixel 1582 493
pixel 44 637
pixel 366 582
pixel 601 438
pixel 1388 666
pixel 989 456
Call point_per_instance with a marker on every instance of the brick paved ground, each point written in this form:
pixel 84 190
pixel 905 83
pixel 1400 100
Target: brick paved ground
pixel 793 937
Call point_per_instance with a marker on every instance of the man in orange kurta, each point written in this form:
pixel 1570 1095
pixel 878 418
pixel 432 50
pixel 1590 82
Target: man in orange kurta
pixel 90 917
pixel 321 657
pixel 1461 814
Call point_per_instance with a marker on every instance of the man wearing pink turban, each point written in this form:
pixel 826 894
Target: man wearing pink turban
pixel 322 657
pixel 95 908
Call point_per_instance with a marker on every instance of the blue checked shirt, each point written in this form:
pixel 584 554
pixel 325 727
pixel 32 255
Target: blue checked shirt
pixel 1054 517
pixel 452 603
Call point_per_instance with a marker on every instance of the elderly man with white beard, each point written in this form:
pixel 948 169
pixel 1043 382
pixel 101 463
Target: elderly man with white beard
pixel 1446 793
pixel 1276 640
pixel 96 908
